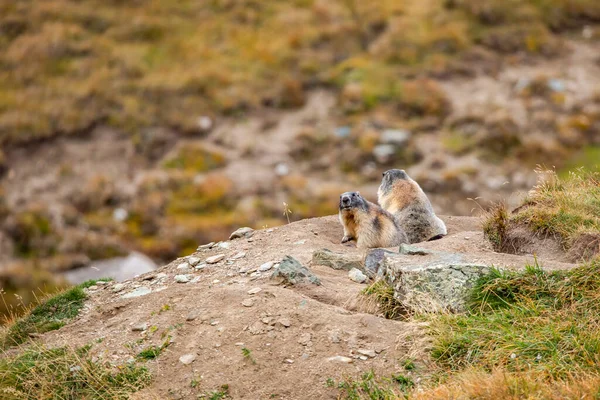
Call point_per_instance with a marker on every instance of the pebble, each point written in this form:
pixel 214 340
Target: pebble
pixel 213 323
pixel 183 267
pixel 200 266
pixel 364 358
pixel 266 266
pixel 242 232
pixel 193 261
pixel 270 230
pixel 356 275
pixel 206 246
pixel 139 327
pixel 187 359
pixel 341 359
pixel 101 283
pixel 194 314
pixel 118 287
pixel 195 280
pixel 182 279
pixel 141 291
pixel 254 290
pixel 282 169
pixel 239 344
pixel 238 256
pixel 255 275
pixel 215 259
pixel 288 361
pixel 93 287
pixel 286 323
pixel 368 353
pixel 300 242
pixel 161 275
pixel 304 339
pixel 248 302
pixel 223 245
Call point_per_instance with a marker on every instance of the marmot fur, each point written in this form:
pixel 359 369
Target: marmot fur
pixel 368 224
pixel 404 198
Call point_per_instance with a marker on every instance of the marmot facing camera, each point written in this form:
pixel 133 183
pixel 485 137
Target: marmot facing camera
pixel 368 224
pixel 404 198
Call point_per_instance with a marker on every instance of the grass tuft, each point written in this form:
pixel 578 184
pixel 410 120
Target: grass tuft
pixel 382 294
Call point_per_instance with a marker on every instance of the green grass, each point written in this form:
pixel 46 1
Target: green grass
pixel 152 352
pixel 565 208
pixel 368 386
pixel 50 315
pixel 64 373
pixel 382 294
pixel 535 321
pixel 247 353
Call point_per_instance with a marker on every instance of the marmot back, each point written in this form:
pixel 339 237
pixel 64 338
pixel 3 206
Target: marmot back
pixel 367 223
pixel 404 198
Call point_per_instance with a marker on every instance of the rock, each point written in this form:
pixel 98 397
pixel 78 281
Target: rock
pixel 187 359
pixel 336 260
pixel 266 266
pixel 238 256
pixel 139 327
pixel 194 314
pixel 288 361
pixel 193 261
pixel 101 283
pixel 373 262
pixel 206 246
pixel 92 288
pixel 183 267
pixel 398 137
pixel 248 302
pixel 255 275
pixel 215 259
pixel 120 214
pixel 256 328
pixel 368 353
pixel 285 322
pixel 342 359
pixel 118 287
pixel 205 123
pixel 223 245
pixel 414 250
pixel 304 339
pixel 363 358
pixel 299 242
pixel 244 232
pixel 437 282
pixel 200 266
pixel 383 153
pixel 141 291
pixel 282 169
pixel 292 272
pixel 182 279
pixel 357 276
pixel 254 290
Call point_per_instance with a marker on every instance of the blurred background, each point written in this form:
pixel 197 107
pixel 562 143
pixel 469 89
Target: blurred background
pixel 133 131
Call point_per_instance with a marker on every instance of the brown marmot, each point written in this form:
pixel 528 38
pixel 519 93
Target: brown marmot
pixel 404 198
pixel 368 224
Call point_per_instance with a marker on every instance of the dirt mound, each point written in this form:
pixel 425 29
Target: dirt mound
pixel 232 325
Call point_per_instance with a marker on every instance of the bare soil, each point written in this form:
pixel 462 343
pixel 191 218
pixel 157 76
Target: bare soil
pixel 291 332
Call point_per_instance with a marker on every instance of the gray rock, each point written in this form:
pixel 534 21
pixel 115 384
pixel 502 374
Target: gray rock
pixel 383 153
pixel 183 267
pixel 194 314
pixel 239 255
pixel 368 353
pixel 409 250
pixel 336 260
pixel 193 261
pixel 373 261
pixel 118 287
pixel 215 259
pixel 357 276
pixel 305 338
pixel 139 327
pixel 187 359
pixel 285 322
pixel 92 288
pixel 182 278
pixel 432 283
pixel 206 246
pixel 223 245
pixel 398 137
pixel 292 272
pixel 244 232
pixel 141 291
pixel 266 266
pixel 248 302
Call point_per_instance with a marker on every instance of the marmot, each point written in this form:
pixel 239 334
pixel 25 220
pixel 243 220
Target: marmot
pixel 404 198
pixel 367 223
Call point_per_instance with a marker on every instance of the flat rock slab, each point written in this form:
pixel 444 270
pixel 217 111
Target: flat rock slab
pixel 335 260
pixel 426 281
pixel 292 272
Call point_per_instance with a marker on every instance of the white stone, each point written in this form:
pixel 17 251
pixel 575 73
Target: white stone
pixel 266 266
pixel 187 359
pixel 238 256
pixel 183 267
pixel 141 291
pixel 120 214
pixel 254 290
pixel 193 261
pixel 215 259
pixel 368 353
pixel 118 287
pixel 248 302
pixel 357 276
pixel 182 279
pixel 342 359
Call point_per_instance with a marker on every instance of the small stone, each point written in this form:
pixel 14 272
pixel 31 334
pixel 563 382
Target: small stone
pixel 364 358
pixel 285 322
pixel 244 232
pixel 215 259
pixel 216 281
pixel 93 287
pixel 291 272
pixel 513 356
pixel 255 290
pixel 239 344
pixel 213 323
pixel 120 214
pixel 101 283
pixel 183 267
pixel 193 261
pixel 282 169
pixel 342 359
pixel 182 279
pixel 141 291
pixel 223 245
pixel 368 353
pixel 205 123
pixel 248 302
pixel 270 230
pixel 255 275
pixel 288 361
pixel 304 339
pixel 200 266
pixel 256 328
pixel 161 275
pixel 118 287
pixel 194 314
pixel 140 327
pixel 266 266
pixel 336 260
pixel 238 256
pixel 187 359
pixel 206 246
pixel 356 275
pixel 300 242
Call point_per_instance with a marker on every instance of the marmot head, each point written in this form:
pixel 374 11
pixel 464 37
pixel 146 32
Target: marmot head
pixel 351 200
pixel 390 177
